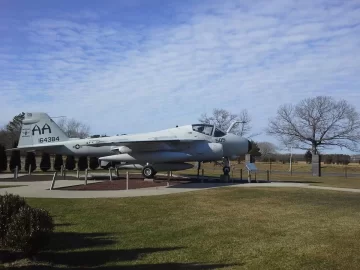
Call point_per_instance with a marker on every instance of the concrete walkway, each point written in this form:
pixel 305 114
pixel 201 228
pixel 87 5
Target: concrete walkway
pixel 41 189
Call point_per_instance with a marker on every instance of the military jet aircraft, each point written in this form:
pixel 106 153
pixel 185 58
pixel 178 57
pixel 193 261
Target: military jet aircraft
pixel 164 150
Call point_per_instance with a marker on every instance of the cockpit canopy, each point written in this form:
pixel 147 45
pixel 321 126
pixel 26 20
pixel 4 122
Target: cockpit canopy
pixel 209 130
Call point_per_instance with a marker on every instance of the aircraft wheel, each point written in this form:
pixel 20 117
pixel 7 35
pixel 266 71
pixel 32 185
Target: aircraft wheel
pixel 148 172
pixel 226 170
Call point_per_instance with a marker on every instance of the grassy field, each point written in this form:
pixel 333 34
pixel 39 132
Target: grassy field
pixel 234 228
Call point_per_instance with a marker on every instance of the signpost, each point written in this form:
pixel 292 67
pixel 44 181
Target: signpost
pixel 251 167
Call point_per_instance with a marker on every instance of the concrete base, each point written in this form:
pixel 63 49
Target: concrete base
pixel 148 180
pixel 224 178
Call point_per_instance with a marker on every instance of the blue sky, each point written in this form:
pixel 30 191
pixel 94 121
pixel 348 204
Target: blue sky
pixel 144 65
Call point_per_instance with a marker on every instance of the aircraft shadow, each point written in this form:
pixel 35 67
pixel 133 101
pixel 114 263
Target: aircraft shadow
pixel 215 182
pixel 70 250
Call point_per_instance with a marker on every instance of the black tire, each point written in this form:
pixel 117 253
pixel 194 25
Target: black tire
pixel 226 170
pixel 148 172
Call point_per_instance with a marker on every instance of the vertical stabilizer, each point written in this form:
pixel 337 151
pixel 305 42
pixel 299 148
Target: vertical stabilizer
pixel 39 128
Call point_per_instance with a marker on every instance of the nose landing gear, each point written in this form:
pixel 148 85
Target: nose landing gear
pixel 226 168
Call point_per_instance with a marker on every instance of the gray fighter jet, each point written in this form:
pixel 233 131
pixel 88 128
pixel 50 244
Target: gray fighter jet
pixel 164 150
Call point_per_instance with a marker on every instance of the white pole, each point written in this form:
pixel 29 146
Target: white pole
pixel 290 169
pixel 53 181
pixel 127 180
pixel 29 169
pixel 86 176
pixel 110 173
pixel 16 172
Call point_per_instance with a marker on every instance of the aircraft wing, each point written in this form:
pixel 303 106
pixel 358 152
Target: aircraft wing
pixel 127 142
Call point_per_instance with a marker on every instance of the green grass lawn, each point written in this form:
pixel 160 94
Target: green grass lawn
pixel 238 228
pixel 283 176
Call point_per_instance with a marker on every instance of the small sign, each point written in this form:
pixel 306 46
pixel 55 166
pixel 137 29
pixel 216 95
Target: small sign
pixel 250 166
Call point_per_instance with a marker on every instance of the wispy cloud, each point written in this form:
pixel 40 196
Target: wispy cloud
pixel 128 78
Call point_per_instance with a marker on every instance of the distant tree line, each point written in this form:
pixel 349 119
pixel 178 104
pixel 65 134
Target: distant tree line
pixel 45 162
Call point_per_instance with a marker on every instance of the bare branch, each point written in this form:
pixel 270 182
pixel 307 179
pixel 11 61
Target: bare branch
pixel 222 119
pixel 317 122
pixel 73 128
pixel 267 148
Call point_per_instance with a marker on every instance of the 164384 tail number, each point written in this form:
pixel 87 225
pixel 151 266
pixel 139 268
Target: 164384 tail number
pixel 49 139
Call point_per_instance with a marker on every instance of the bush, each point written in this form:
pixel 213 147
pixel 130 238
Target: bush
pixel 15 159
pixel 30 160
pixel 23 228
pixel 29 230
pixel 70 163
pixel 58 162
pixel 45 163
pixel 9 206
pixel 82 163
pixel 3 159
pixel 94 163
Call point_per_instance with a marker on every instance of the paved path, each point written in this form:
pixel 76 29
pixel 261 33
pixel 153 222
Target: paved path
pixel 41 189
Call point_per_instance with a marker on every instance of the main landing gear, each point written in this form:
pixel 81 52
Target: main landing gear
pixel 148 171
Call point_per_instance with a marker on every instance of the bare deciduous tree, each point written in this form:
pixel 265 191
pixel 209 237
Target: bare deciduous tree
pixel 73 128
pixel 11 132
pixel 222 119
pixel 267 148
pixel 318 122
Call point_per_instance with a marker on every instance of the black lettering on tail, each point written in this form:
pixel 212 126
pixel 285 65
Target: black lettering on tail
pixel 36 128
pixel 46 127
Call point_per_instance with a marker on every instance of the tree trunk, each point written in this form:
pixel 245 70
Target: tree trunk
pixel 314 149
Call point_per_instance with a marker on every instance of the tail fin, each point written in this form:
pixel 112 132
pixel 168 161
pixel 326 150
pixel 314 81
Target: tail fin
pixel 39 128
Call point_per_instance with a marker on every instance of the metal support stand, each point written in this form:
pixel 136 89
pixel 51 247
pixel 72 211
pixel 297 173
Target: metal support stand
pixel 241 174
pixel 268 175
pixel 249 177
pixel 16 172
pixel 77 174
pixel 53 181
pixel 198 169
pixel 86 176
pixel 127 180
pixel 64 172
